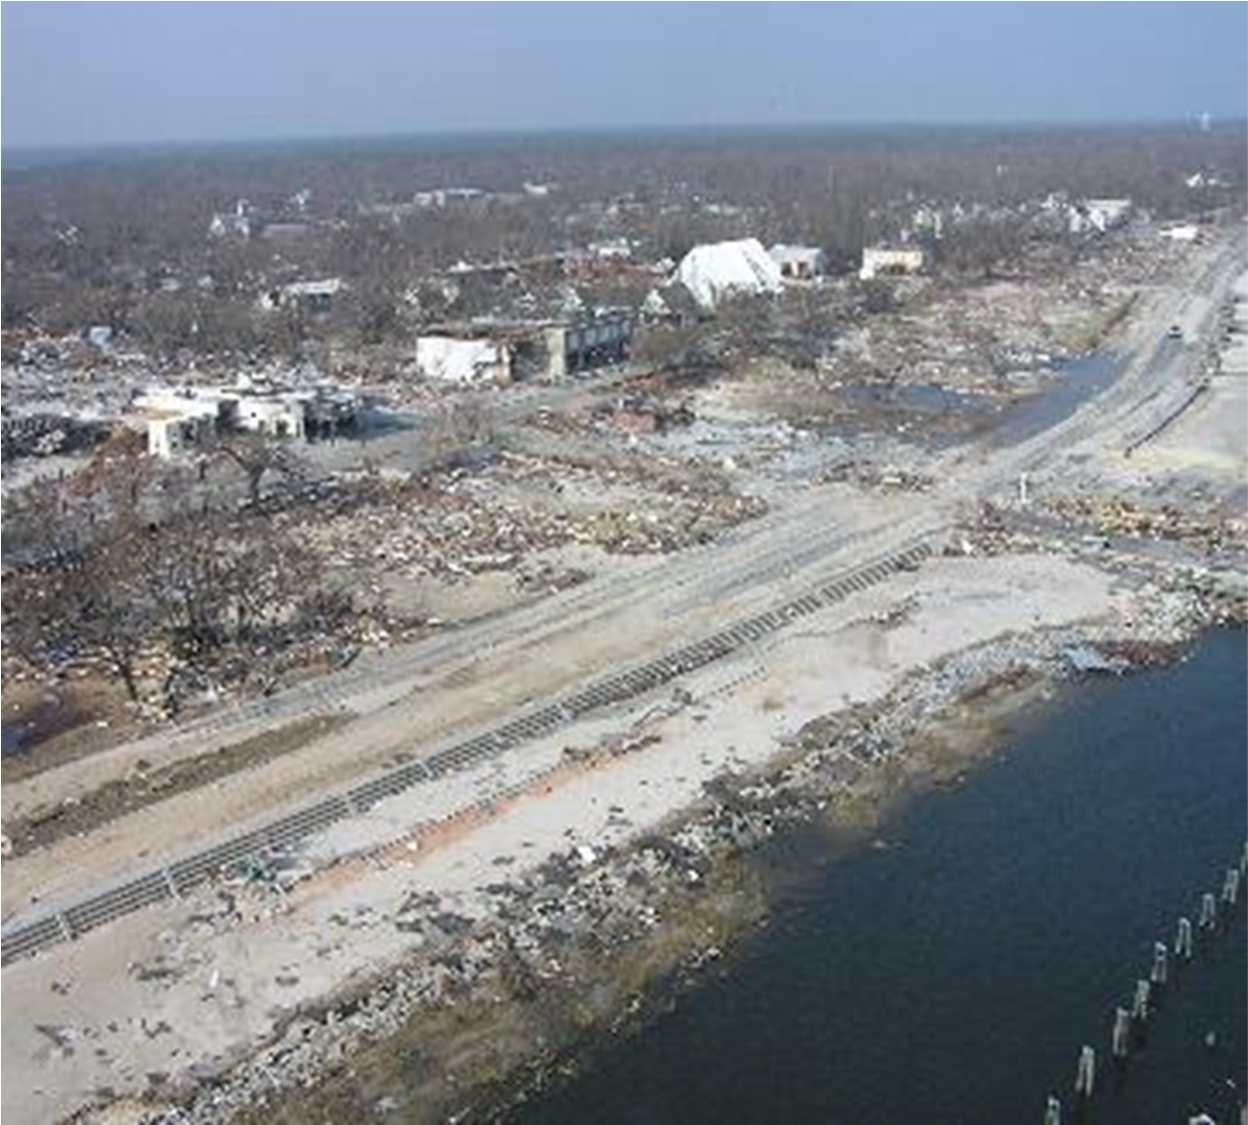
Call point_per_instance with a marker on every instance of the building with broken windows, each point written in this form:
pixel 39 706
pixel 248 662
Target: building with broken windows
pixel 497 353
pixel 798 263
pixel 182 419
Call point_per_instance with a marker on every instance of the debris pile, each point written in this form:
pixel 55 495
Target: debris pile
pixel 1117 516
pixel 881 478
pixel 456 524
pixel 43 435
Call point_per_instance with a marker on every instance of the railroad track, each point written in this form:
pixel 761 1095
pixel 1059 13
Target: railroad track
pixel 21 938
pixel 763 558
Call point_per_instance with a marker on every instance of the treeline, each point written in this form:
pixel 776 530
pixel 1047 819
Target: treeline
pixel 105 243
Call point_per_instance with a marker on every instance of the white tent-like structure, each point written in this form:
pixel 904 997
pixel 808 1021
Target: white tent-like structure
pixel 716 270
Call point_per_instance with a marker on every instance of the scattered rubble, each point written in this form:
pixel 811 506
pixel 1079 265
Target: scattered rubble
pixel 454 524
pixel 884 478
pixel 1115 515
pixel 45 435
pixel 548 934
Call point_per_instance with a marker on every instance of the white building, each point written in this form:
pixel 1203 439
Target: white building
pixel 1098 215
pixel 798 263
pixel 525 351
pixel 611 249
pixel 237 222
pixel 186 425
pixel 181 418
pixel 279 416
pixel 880 261
pixel 718 270
pixel 307 296
pixel 1181 232
pixel 469 362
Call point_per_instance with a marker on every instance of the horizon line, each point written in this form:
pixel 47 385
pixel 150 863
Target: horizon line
pixel 541 131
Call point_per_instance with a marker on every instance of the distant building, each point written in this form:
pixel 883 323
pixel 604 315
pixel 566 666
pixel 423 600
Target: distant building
pixel 611 249
pixel 715 271
pixel 798 263
pixel 311 297
pixel 544 351
pixel 446 197
pixel 184 418
pixel 100 336
pixel 1096 216
pixel 882 261
pixel 1181 232
pixel 236 223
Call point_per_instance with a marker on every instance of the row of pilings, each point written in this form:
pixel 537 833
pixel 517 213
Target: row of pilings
pixel 1130 1019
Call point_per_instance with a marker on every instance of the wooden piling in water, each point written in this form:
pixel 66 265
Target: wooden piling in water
pixel 1160 965
pixel 1085 1075
pixel 1183 939
pixel 1124 1019
pixel 1121 1040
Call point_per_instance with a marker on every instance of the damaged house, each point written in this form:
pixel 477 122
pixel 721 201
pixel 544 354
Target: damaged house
pixel 885 261
pixel 798 263
pixel 308 297
pixel 542 351
pixel 180 419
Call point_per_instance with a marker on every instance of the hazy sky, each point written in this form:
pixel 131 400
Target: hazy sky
pixel 160 71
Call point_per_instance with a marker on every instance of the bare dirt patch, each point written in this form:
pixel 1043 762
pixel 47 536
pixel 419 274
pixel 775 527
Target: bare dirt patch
pixel 142 787
pixel 53 723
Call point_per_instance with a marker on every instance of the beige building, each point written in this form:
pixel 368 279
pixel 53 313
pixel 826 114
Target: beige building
pixel 880 261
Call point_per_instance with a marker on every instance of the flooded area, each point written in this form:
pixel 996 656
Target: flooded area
pixel 938 415
pixel 1074 384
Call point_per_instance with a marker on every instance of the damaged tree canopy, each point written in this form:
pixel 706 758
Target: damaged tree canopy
pixel 107 579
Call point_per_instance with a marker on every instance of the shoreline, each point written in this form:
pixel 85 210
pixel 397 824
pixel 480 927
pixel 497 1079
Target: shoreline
pixel 522 1008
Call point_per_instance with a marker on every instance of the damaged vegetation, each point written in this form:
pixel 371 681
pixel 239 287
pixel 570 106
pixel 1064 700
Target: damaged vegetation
pixel 604 395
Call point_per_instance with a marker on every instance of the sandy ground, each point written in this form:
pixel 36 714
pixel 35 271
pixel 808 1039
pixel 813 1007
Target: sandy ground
pixel 89 1020
pixel 1207 441
pixel 478 671
pixel 464 682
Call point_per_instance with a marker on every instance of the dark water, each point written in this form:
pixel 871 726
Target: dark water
pixel 952 975
pixel 10 740
pixel 1078 380
pixel 1075 382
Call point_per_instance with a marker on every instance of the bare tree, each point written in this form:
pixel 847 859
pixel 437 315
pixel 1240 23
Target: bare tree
pixel 259 456
pixel 112 567
pixel 79 594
